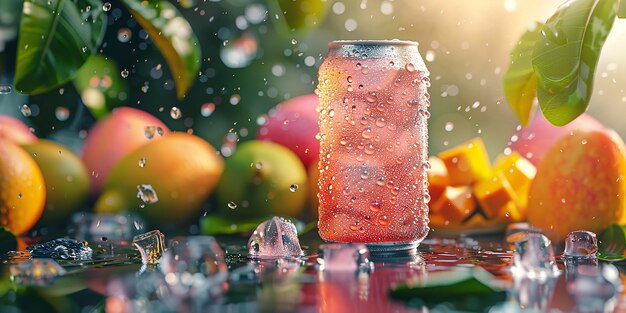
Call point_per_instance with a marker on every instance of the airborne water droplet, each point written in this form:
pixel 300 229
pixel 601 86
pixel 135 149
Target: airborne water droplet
pixel 207 109
pixel 142 162
pixel 106 7
pixel 147 194
pixel 124 34
pixel 25 109
pixel 5 89
pixel 124 73
pixel 293 188
pixel 232 205
pixel 449 126
pixel 62 113
pixel 175 113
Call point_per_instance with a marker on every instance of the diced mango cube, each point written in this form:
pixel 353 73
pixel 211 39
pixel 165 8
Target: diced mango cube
pixel 467 163
pixel 519 172
pixel 455 204
pixel 511 213
pixel 437 178
pixel 493 194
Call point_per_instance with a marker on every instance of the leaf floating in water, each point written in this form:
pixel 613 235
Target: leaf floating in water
pixel 450 285
pixel 612 243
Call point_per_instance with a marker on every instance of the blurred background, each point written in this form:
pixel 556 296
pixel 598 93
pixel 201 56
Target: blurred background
pixel 251 61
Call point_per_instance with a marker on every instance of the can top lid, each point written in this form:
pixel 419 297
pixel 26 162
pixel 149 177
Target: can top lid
pixel 392 42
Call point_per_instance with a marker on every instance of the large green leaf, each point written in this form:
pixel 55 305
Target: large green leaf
pixel 173 35
pixel 520 83
pixel 621 12
pixel 566 55
pixel 612 243
pixel 56 37
pixel 100 85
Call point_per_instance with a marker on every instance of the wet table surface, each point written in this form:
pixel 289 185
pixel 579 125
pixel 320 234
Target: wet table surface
pixel 298 285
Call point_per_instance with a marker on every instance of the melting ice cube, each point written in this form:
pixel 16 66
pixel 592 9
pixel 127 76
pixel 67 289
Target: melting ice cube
pixel 195 266
pixel 147 194
pixel 275 238
pixel 104 227
pixel 38 272
pixel 594 288
pixel 581 243
pixel 517 231
pixel 61 248
pixel 343 257
pixel 150 245
pixel 533 257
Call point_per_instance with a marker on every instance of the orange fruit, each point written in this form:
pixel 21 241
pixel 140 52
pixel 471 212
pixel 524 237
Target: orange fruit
pixel 22 189
pixel 182 170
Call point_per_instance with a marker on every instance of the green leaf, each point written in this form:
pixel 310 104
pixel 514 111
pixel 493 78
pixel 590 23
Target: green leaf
pixel 302 14
pixel 520 83
pixel 56 38
pixel 174 37
pixel 219 225
pixel 464 289
pixel 8 242
pixel 621 11
pixel 612 243
pixel 100 86
pixel 566 55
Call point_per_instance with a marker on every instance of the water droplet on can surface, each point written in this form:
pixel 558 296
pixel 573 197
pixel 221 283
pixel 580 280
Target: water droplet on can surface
pixel 176 113
pixel 410 67
pixel 375 206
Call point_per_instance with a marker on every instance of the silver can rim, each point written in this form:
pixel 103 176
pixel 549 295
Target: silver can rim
pixel 362 42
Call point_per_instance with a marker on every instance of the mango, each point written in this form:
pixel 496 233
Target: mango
pixel 455 204
pixel 579 184
pixel 519 172
pixel 467 163
pixel 437 178
pixel 493 194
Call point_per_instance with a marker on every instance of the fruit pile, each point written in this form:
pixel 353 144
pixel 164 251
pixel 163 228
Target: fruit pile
pixel 468 193
pixel 131 162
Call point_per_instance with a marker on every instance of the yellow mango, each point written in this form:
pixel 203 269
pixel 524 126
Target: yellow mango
pixel 519 172
pixel 455 204
pixel 466 163
pixel 437 178
pixel 493 194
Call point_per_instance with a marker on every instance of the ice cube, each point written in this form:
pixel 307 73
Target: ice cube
pixel 195 266
pixel 275 238
pixel 581 243
pixel 533 294
pixel 147 194
pixel 61 248
pixel 37 272
pixel 517 231
pixel 594 288
pixel 150 245
pixel 344 257
pixel 105 227
pixel 533 257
